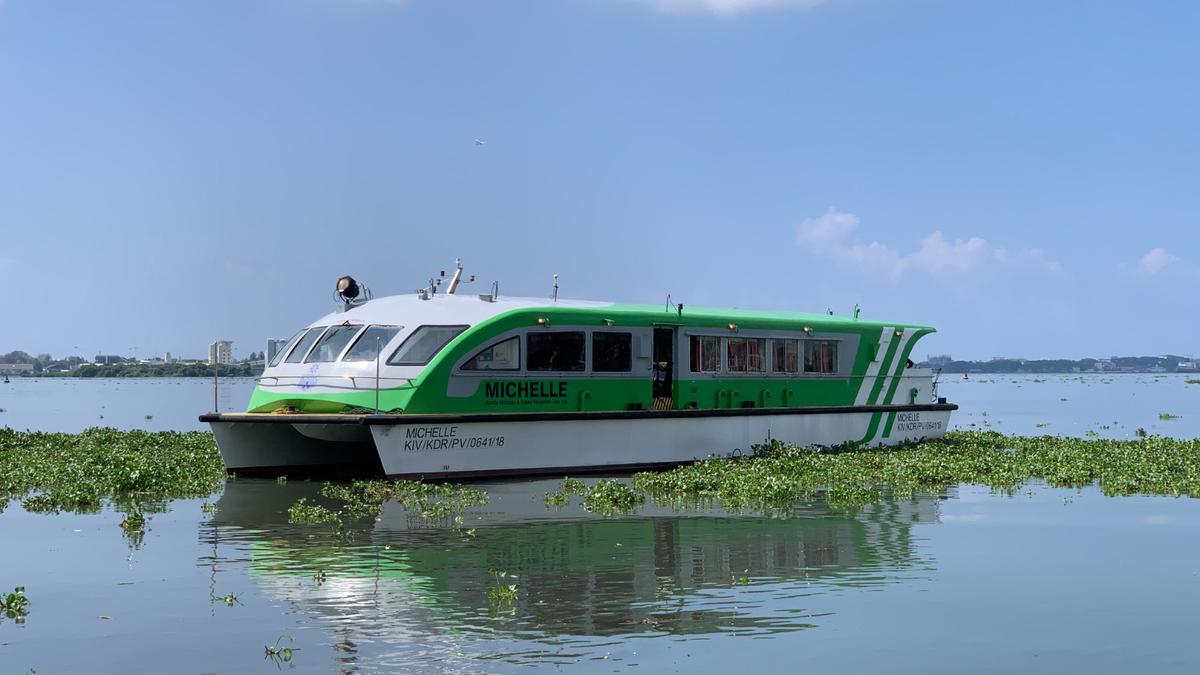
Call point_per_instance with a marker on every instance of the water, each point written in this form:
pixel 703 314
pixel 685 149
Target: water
pixel 72 405
pixel 1046 581
pixel 1014 404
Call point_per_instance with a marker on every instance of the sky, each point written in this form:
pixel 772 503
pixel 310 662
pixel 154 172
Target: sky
pixel 1022 175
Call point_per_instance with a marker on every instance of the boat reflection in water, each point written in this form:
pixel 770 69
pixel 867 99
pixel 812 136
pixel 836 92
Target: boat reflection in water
pixel 400 591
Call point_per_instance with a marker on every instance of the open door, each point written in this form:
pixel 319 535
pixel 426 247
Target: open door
pixel 664 369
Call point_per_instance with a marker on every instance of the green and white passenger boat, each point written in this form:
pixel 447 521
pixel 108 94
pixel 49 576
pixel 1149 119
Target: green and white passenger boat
pixel 445 384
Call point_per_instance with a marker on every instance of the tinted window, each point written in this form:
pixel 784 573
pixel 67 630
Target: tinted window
pixel 785 356
pixel 286 347
pixel 418 348
pixel 504 355
pixel 820 356
pixel 612 352
pixel 332 343
pixel 746 355
pixel 373 339
pixel 305 342
pixel 706 354
pixel 557 351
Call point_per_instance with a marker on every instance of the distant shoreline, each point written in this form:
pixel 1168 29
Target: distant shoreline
pixel 134 371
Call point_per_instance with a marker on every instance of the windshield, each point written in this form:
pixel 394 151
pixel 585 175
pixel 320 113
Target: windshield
pixel 332 343
pixel 278 357
pixel 373 339
pixel 305 342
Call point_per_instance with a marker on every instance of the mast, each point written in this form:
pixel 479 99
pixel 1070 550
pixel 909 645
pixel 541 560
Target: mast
pixel 457 276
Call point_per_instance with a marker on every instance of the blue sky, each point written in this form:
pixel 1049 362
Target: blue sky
pixel 1022 175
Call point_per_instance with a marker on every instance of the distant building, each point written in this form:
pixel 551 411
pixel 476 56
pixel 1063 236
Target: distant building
pixel 273 347
pixel 16 368
pixel 108 359
pixel 220 353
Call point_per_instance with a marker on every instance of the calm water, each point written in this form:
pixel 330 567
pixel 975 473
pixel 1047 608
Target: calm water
pixel 1046 581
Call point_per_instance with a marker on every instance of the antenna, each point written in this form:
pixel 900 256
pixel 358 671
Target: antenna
pixel 555 288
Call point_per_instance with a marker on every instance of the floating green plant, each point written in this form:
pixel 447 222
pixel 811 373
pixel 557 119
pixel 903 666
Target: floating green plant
pixel 279 654
pixel 778 475
pixel 557 499
pixel 561 497
pixel 1042 425
pixel 15 605
pixel 363 499
pixel 311 514
pixel 320 576
pixel 77 472
pixel 229 599
pixel 1185 382
pixel 611 496
pixel 502 593
pixel 1167 416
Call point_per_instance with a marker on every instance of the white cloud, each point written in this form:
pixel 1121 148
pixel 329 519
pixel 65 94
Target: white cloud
pixel 1155 262
pixel 831 236
pixel 727 7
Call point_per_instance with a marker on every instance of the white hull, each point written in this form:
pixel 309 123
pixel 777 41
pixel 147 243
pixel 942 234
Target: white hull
pixel 543 446
pixel 436 446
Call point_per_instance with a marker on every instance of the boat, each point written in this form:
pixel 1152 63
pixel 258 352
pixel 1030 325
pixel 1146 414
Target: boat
pixel 442 384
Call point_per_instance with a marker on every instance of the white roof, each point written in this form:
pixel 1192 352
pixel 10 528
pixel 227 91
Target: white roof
pixel 411 310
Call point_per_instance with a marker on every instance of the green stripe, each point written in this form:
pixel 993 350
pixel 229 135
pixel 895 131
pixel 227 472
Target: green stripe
pixel 875 417
pixel 887 428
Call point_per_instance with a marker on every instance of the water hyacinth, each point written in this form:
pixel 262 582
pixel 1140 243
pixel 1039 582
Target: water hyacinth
pixel 76 472
pixel 610 496
pixel 778 475
pixel 364 498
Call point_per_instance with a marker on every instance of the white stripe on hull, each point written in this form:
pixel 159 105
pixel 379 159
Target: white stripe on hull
pixel 864 389
pixel 483 447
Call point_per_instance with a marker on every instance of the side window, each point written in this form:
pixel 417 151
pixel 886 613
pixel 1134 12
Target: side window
pixel 332 343
pixel 504 355
pixel 820 356
pixel 305 342
pixel 373 339
pixel 746 355
pixel 785 356
pixel 612 352
pixel 559 351
pixel 706 354
pixel 426 341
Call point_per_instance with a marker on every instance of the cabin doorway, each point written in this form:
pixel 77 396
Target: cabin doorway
pixel 664 368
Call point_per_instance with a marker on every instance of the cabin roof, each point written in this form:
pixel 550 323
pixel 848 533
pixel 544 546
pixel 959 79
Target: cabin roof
pixel 470 309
